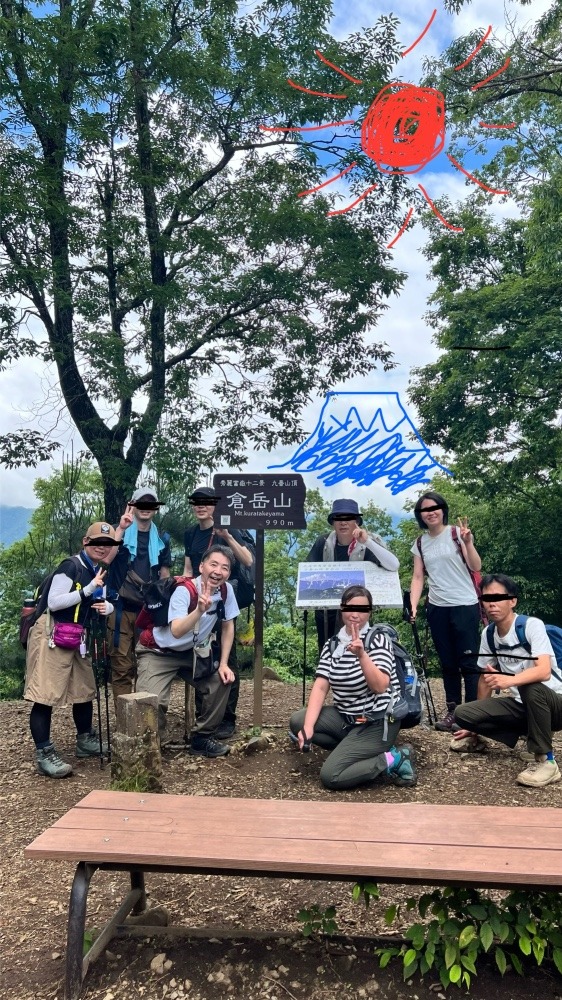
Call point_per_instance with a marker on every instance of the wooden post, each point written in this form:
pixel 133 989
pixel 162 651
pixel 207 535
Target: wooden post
pixel 258 630
pixel 136 765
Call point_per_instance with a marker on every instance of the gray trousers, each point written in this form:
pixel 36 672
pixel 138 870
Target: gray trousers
pixel 156 673
pixel 505 720
pixel 358 752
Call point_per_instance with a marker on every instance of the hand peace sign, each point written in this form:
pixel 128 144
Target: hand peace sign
pixel 356 644
pixel 204 600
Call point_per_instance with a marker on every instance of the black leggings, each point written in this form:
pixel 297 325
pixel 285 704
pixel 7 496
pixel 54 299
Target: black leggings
pixel 40 720
pixel 455 634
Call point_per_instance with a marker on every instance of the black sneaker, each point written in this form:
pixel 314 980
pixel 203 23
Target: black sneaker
pixel 225 731
pixel 445 725
pixel 206 746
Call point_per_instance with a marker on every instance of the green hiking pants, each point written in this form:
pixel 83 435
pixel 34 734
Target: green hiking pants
pixel 537 716
pixel 358 752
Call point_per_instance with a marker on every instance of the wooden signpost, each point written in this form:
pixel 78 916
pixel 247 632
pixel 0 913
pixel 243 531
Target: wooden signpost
pixel 262 502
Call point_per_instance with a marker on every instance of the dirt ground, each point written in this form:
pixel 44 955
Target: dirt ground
pixel 34 895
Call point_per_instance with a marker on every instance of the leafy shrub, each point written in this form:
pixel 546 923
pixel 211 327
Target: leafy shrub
pixel 467 925
pixel 283 651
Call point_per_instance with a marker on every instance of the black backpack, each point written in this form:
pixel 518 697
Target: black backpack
pixel 35 606
pixel 245 576
pixel 405 671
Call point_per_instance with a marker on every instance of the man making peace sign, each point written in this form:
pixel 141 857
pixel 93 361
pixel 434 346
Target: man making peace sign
pixel 173 648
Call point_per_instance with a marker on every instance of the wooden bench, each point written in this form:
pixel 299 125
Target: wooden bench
pixel 483 846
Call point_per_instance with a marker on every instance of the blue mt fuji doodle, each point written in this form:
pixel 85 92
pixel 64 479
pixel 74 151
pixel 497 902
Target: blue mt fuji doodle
pixel 386 445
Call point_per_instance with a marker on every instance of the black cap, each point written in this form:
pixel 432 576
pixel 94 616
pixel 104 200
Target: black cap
pixel 204 494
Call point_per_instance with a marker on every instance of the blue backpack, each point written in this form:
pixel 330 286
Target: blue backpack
pixel 553 632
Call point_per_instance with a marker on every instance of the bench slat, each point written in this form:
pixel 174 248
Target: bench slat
pixel 419 827
pixel 322 811
pixel 380 860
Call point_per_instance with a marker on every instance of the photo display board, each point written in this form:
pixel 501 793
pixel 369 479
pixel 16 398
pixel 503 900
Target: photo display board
pixel 321 584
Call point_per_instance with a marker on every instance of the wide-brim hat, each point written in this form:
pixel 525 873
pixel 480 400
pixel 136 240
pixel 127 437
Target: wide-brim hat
pixel 350 507
pixel 101 531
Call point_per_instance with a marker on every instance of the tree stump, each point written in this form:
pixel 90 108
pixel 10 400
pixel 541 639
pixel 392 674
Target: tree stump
pixel 136 764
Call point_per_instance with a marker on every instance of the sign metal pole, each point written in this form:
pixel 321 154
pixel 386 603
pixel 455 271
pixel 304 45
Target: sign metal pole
pixel 258 630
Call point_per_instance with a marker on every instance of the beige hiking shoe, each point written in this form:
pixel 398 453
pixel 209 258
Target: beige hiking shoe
pixel 541 772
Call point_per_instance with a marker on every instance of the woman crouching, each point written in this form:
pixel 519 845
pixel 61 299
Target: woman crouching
pixel 359 727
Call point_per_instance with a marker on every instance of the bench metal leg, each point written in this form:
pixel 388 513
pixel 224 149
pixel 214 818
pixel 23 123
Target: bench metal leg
pixel 77 964
pixel 76 926
pixel 137 882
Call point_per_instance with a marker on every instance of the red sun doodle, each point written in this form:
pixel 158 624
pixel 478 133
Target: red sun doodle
pixel 402 131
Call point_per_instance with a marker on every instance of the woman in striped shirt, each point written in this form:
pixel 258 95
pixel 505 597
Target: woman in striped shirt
pixel 358 728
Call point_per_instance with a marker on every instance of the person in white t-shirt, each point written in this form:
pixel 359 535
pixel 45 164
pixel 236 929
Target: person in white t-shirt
pixel 165 651
pixel 533 707
pixel 447 555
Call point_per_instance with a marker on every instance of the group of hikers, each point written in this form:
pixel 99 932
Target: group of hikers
pixel 512 657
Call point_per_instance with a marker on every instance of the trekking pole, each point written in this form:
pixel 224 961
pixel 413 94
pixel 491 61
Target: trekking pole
pixel 95 665
pixel 421 656
pixel 106 674
pixel 425 658
pixel 305 620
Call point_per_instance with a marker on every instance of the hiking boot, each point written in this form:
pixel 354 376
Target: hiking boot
pixel 206 746
pixel 542 772
pixel 225 730
pixel 445 725
pixel 50 764
pixel 88 745
pixel 403 771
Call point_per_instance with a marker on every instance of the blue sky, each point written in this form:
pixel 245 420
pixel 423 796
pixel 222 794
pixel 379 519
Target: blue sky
pixel 22 387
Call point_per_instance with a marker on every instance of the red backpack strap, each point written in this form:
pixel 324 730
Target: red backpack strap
pixel 189 583
pixel 419 545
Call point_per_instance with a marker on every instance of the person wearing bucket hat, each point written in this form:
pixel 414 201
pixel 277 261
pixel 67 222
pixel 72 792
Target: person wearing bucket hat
pixel 348 541
pixel 58 668
pixel 144 557
pixel 198 539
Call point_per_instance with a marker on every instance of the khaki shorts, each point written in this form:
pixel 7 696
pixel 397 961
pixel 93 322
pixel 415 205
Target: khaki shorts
pixel 56 677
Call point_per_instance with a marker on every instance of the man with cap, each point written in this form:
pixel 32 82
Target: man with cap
pixel 347 542
pixel 197 540
pixel 145 556
pixel 58 670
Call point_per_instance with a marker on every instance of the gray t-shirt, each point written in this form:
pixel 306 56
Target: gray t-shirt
pixel 450 583
pixel 535 634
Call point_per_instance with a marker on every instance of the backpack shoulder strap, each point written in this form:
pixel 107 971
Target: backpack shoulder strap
pixel 457 541
pixel 520 624
pixel 369 636
pixel 419 545
pixel 490 633
pixel 189 535
pixel 333 644
pixel 189 584
pixel 224 592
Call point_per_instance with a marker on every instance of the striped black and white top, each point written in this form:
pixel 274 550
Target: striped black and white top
pixel 351 693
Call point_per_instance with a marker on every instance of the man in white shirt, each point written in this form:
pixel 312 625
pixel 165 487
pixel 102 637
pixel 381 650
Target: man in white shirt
pixel 171 648
pixel 534 705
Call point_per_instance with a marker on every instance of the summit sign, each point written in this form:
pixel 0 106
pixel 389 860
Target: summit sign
pixel 253 500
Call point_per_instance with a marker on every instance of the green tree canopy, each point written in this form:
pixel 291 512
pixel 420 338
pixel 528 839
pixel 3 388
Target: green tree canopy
pixel 152 230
